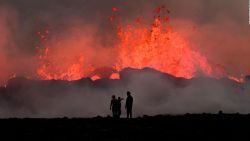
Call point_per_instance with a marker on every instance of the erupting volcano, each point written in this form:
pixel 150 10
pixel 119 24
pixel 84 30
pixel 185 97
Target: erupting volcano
pixel 139 45
pixel 65 58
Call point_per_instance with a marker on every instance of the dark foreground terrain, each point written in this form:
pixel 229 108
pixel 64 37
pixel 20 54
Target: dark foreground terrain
pixel 196 127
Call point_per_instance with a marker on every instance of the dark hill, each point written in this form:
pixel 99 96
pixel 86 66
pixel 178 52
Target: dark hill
pixel 154 92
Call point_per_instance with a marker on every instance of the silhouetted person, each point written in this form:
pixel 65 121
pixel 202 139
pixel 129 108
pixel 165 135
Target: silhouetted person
pixel 129 104
pixel 114 106
pixel 119 106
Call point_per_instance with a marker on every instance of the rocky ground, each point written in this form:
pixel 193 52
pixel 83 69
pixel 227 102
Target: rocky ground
pixel 195 127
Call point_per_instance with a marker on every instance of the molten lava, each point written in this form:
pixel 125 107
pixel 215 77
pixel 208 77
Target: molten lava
pixel 157 46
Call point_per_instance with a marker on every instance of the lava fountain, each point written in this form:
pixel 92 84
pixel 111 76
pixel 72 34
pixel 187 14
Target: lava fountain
pixel 156 46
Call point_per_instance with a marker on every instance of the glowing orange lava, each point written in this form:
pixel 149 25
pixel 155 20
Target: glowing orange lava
pixel 236 79
pixel 115 76
pixel 161 48
pixel 157 46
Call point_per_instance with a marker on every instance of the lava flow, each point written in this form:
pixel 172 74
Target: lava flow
pixel 156 46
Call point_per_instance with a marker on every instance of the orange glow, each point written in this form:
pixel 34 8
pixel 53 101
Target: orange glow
pixel 157 46
pixel 115 76
pixel 161 48
pixel 236 79
pixel 96 77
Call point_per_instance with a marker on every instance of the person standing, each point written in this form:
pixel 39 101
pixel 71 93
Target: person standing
pixel 114 106
pixel 129 104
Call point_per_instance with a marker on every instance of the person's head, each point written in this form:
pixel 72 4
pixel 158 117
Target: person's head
pixel 128 93
pixel 113 96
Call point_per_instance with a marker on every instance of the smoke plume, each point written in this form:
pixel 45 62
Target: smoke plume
pixel 79 31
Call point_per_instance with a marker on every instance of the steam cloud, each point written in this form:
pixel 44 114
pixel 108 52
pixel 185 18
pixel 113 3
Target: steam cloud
pixel 217 29
pixel 153 92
